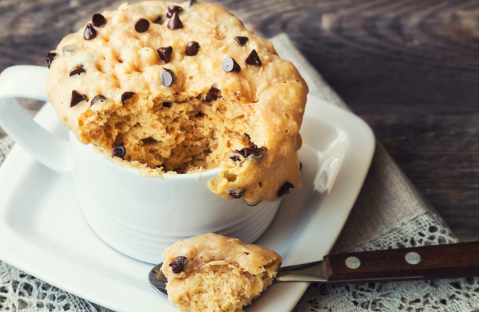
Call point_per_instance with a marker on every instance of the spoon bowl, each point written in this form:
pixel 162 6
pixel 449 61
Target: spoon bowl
pixel 158 280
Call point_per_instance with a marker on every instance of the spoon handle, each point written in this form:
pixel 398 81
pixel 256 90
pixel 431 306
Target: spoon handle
pixel 419 263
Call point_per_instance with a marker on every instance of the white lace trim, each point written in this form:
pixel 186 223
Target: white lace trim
pixel 6 145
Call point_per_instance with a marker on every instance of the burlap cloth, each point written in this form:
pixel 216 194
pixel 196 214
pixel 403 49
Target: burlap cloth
pixel 389 213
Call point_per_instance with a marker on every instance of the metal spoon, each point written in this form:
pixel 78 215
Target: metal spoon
pixel 419 263
pixel 158 280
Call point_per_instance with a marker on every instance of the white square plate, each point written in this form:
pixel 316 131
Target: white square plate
pixel 43 232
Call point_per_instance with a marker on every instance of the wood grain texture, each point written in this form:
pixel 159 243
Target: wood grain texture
pixel 433 262
pixel 409 68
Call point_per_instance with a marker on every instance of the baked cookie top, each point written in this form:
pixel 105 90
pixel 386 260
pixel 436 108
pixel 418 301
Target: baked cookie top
pixel 183 88
pixel 216 273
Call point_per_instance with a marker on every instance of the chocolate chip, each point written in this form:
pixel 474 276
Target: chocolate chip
pixel 175 22
pixel 178 264
pixel 241 40
pixel 199 115
pixel 70 48
pixel 172 9
pixel 235 158
pixel 126 96
pixel 77 70
pixel 147 141
pixel 212 95
pixel 191 48
pixel 98 20
pixel 165 53
pixel 76 98
pixel 90 32
pixel 98 97
pixel 167 77
pixel 300 166
pixel 253 150
pixel 230 65
pixel 49 58
pixel 119 151
pixel 235 193
pixel 142 25
pixel 191 3
pixel 167 104
pixel 253 59
pixel 158 20
pixel 285 189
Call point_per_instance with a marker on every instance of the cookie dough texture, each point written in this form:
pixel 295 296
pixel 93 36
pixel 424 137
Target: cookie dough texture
pixel 203 117
pixel 221 273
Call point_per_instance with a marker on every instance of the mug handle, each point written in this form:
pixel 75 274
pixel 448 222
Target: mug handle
pixel 29 82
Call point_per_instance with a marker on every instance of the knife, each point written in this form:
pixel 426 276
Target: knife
pixel 406 264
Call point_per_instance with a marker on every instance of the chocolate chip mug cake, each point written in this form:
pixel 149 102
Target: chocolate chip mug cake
pixel 183 88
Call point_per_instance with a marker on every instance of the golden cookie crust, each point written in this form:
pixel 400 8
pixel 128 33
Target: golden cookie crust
pixel 260 105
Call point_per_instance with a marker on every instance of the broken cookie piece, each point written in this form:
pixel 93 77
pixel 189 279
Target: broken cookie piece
pixel 215 273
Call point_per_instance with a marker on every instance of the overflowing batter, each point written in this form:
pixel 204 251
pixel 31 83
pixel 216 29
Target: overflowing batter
pixel 169 88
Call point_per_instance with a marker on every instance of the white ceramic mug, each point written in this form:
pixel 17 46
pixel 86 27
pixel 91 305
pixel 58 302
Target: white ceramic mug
pixel 138 216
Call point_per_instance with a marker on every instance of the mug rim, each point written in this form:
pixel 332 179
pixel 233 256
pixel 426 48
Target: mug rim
pixel 207 174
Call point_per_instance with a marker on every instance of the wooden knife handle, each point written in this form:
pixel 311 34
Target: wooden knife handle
pixel 419 263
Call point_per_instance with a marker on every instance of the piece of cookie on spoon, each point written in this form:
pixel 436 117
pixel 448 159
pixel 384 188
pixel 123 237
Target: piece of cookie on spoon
pixel 211 272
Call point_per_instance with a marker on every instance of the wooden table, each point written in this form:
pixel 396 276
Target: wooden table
pixel 409 68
